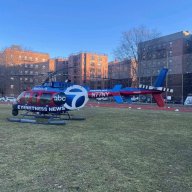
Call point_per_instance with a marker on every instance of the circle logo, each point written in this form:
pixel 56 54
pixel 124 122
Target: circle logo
pixel 59 98
pixel 76 97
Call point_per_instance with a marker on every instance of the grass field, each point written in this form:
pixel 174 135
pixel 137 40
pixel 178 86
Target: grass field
pixel 112 150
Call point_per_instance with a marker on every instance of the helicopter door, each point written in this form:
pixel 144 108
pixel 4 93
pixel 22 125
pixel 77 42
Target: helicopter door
pixel 34 98
pixel 45 98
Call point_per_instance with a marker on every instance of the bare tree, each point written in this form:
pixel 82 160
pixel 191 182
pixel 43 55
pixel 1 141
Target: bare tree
pixel 129 47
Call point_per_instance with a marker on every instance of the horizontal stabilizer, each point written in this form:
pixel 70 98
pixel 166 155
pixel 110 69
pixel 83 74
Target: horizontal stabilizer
pixel 163 89
pixel 146 87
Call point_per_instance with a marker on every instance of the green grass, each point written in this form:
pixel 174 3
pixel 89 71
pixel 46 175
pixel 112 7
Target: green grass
pixel 112 150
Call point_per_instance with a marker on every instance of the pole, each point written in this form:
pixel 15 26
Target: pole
pixel 182 87
pixel 167 75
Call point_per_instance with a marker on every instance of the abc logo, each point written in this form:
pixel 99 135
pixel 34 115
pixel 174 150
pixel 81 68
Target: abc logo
pixel 59 99
pixel 77 97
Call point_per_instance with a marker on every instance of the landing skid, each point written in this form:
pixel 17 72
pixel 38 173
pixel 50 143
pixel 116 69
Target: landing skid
pixel 37 121
pixel 53 119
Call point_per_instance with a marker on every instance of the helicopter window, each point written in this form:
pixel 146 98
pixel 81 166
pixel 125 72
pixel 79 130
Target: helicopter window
pixel 27 97
pixel 20 97
pixel 45 98
pixel 34 98
pixel 57 84
pixel 47 84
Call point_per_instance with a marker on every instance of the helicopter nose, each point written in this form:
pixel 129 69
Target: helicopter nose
pixel 15 112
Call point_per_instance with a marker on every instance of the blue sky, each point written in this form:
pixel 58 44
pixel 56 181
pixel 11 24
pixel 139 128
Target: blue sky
pixel 62 27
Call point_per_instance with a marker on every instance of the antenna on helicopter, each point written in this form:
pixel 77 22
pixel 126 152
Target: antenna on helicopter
pixel 67 81
pixel 50 76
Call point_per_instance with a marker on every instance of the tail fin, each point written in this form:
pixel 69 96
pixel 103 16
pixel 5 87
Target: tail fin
pixel 160 79
pixel 158 86
pixel 158 99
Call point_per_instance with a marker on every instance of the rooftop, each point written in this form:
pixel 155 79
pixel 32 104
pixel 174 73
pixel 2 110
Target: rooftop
pixel 87 52
pixel 19 48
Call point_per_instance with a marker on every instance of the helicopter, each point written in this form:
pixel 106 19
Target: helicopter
pixel 51 100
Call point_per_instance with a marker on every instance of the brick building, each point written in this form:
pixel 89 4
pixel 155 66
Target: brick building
pixel 52 66
pixel 22 69
pixel 173 51
pixel 61 65
pixel 88 68
pixel 122 72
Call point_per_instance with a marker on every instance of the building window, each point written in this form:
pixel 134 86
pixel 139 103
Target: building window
pixel 92 57
pixel 12 86
pixel 92 70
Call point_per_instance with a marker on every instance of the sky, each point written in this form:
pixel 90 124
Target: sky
pixel 64 27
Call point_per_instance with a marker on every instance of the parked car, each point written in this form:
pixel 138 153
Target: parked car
pixel 7 99
pixel 10 99
pixel 2 99
pixel 134 99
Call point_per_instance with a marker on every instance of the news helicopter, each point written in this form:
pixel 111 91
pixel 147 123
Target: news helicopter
pixel 52 100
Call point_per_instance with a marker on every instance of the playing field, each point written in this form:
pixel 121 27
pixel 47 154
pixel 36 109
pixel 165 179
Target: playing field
pixel 120 150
